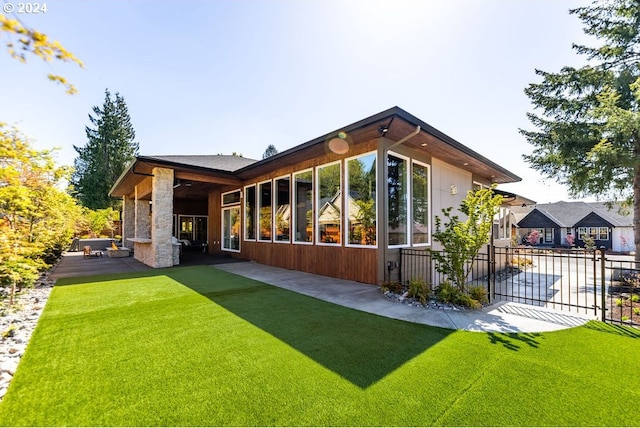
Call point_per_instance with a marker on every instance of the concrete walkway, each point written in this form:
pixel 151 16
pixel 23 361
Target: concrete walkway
pixel 501 317
pixel 505 317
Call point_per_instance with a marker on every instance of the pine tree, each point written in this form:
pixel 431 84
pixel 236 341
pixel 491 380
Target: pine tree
pixel 270 151
pixel 588 118
pixel 110 147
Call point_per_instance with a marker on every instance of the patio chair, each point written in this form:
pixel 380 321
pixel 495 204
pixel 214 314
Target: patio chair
pixel 89 253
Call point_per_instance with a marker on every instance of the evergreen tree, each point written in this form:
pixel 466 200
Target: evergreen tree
pixel 110 147
pixel 270 151
pixel 588 118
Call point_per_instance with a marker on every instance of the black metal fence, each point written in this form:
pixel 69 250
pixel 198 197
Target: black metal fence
pixel 574 280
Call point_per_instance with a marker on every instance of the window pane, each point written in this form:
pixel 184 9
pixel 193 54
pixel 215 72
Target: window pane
pixel 231 198
pixel 604 234
pixel 420 233
pixel 397 191
pixel 303 193
pixel 265 211
pixel 283 209
pixel 231 228
pixel 329 204
pixel 250 213
pixel 362 200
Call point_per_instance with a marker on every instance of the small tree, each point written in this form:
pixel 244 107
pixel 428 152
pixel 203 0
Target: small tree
pixel 462 240
pixel 533 238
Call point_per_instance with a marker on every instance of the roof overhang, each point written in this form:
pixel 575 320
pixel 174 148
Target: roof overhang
pixel 513 199
pixel 141 169
pixel 393 124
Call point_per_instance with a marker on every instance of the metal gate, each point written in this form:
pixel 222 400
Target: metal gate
pixel 572 280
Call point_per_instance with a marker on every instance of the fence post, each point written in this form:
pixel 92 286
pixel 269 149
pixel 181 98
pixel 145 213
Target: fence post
pixel 399 268
pixel 491 274
pixel 603 301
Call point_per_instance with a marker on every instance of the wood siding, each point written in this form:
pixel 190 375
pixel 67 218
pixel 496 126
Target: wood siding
pixel 356 264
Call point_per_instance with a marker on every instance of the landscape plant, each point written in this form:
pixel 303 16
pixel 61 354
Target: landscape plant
pixel 419 289
pixel 533 238
pixel 462 239
pixel 36 217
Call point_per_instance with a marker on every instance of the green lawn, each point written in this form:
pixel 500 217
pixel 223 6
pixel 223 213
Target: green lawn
pixel 197 346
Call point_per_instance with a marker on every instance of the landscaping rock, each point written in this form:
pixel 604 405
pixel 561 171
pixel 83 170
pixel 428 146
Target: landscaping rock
pixel 17 324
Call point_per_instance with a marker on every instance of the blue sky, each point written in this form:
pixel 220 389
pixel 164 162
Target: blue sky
pixel 208 77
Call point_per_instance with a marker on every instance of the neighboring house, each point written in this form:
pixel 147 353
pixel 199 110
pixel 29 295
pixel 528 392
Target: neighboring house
pixel 562 223
pixel 340 205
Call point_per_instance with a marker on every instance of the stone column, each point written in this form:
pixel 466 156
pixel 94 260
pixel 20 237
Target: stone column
pixel 128 221
pixel 162 217
pixel 142 209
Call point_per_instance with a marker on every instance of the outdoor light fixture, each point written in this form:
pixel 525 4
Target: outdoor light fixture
pixel 454 189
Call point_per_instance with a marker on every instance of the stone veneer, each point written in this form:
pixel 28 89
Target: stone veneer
pixel 162 217
pixel 128 221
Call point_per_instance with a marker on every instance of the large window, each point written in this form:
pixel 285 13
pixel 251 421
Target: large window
pixel 264 211
pixel 420 204
pixel 397 190
pixel 192 228
pixel 303 203
pixel 250 213
pixel 231 221
pixel 329 204
pixel 283 209
pixel 361 201
pixel 231 228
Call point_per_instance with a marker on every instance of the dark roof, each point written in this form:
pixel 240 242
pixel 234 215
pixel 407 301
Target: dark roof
pixel 568 214
pixel 388 116
pixel 228 163
pixel 394 124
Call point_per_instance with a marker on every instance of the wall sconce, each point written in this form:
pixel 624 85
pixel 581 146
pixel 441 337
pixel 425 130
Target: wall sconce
pixel 454 189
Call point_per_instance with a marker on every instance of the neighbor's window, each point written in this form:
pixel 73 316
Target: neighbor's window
pixel 303 206
pixel 250 213
pixel 283 209
pixel 603 233
pixel 264 211
pixel 397 189
pixel 329 204
pixel 361 203
pixel 420 203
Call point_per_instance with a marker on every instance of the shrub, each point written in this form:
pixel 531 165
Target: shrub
pixel 393 286
pixel 419 289
pixel 447 293
pixel 635 298
pixel 619 302
pixel 521 262
pixel 479 294
pixel 636 311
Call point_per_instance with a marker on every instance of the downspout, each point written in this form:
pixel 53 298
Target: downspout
pixel 404 140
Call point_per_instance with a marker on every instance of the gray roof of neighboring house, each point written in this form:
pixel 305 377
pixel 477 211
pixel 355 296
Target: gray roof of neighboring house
pixel 567 214
pixel 228 163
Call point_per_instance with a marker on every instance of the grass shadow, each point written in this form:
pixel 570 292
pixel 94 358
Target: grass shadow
pixel 361 347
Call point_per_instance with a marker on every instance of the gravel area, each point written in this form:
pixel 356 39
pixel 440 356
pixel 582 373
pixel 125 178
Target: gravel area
pixel 17 324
